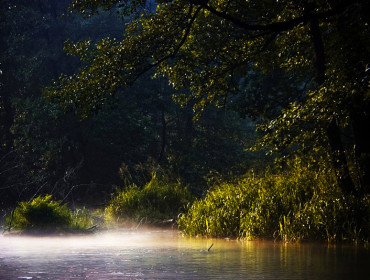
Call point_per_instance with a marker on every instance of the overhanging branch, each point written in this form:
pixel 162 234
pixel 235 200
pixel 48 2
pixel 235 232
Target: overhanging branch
pixel 176 49
pixel 275 26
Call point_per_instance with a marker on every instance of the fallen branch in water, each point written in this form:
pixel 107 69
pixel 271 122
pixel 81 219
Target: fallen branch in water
pixel 210 247
pixel 94 227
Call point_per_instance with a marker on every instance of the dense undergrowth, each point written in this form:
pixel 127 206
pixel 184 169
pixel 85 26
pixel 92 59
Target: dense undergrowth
pixel 45 215
pixel 301 202
pixel 158 200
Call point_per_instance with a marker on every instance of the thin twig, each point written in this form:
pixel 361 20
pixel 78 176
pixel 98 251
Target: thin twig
pixel 37 191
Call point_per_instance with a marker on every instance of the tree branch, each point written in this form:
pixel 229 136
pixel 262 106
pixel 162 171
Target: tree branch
pixel 183 40
pixel 176 49
pixel 275 26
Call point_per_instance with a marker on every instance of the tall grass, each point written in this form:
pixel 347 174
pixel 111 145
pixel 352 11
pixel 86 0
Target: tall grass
pixel 45 215
pixel 158 200
pixel 301 202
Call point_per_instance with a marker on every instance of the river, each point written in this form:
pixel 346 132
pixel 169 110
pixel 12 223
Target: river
pixel 165 254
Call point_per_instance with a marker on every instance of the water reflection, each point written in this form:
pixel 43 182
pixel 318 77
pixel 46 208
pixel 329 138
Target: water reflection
pixel 167 255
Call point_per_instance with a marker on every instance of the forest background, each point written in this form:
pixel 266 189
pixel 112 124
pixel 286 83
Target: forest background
pixel 299 71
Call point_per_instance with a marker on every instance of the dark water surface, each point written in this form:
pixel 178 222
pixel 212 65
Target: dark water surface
pixel 167 255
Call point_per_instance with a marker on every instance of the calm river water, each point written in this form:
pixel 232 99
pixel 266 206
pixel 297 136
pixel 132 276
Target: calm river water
pixel 165 254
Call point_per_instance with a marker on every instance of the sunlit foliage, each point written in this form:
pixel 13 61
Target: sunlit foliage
pixel 209 51
pixel 210 47
pixel 158 200
pixel 300 202
pixel 45 215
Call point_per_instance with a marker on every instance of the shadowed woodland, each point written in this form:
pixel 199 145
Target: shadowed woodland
pixel 230 118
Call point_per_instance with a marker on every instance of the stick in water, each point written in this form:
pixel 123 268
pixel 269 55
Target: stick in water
pixel 210 247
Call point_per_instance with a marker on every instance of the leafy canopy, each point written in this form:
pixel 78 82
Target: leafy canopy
pixel 208 47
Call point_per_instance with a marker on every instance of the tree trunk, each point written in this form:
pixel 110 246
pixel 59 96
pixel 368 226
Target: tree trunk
pixel 361 125
pixel 337 152
pixel 7 122
pixel 164 136
pixel 339 159
pixel 354 47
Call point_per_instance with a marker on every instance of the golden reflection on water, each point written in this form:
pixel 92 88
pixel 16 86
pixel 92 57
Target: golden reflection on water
pixel 166 254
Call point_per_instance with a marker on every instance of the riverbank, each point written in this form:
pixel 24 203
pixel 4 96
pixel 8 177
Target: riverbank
pixel 166 254
pixel 295 204
pixel 299 203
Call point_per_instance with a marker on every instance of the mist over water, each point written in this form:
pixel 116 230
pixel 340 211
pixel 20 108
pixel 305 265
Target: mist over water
pixel 165 254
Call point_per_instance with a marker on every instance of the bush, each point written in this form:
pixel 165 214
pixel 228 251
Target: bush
pixel 44 215
pixel 302 202
pixel 159 199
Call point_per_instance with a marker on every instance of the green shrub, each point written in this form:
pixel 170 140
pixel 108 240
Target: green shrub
pixel 159 199
pixel 41 214
pixel 44 215
pixel 302 202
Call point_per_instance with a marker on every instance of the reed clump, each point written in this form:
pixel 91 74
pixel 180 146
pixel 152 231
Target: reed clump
pixel 300 202
pixel 160 199
pixel 43 215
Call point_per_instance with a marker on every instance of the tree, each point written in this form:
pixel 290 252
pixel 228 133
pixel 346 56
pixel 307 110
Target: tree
pixel 40 147
pixel 208 46
pixel 27 30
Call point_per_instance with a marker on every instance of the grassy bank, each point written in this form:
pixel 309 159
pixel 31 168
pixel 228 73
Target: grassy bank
pixel 43 215
pixel 158 200
pixel 301 202
pixel 157 203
